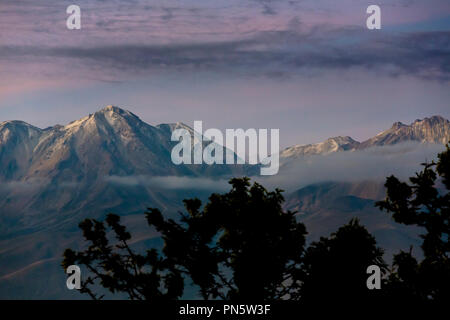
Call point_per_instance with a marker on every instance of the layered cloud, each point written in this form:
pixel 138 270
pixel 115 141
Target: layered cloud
pixel 308 67
pixel 170 182
pixel 421 54
pixel 373 164
pixel 262 37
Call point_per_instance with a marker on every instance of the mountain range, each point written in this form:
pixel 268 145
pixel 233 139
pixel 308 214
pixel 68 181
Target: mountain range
pixel 112 161
pixel 64 170
pixel 435 129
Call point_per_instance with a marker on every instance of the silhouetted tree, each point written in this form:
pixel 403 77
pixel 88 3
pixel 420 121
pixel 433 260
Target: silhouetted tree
pixel 334 269
pixel 242 245
pixel 120 270
pixel 424 202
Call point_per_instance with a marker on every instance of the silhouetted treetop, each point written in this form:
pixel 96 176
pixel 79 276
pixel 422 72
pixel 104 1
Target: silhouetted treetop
pixel 425 202
pixel 242 245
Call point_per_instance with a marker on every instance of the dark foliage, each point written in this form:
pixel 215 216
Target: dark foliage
pixel 120 270
pixel 335 268
pixel 242 245
pixel 424 202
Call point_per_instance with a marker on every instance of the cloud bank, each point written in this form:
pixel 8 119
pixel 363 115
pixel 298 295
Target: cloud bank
pixel 170 182
pixel 262 37
pixel 286 52
pixel 375 163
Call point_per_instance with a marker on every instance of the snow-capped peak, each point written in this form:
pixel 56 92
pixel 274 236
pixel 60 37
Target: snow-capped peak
pixel 330 145
pixel 435 129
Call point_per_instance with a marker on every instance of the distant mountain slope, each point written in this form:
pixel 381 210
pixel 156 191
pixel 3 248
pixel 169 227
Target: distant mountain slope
pixel 17 142
pixel 325 206
pixel 51 179
pixel 110 141
pixel 330 145
pixel 429 130
pixel 435 129
pixel 64 171
pixel 325 195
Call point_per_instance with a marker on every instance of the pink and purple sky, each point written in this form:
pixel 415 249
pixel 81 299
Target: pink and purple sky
pixel 309 67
